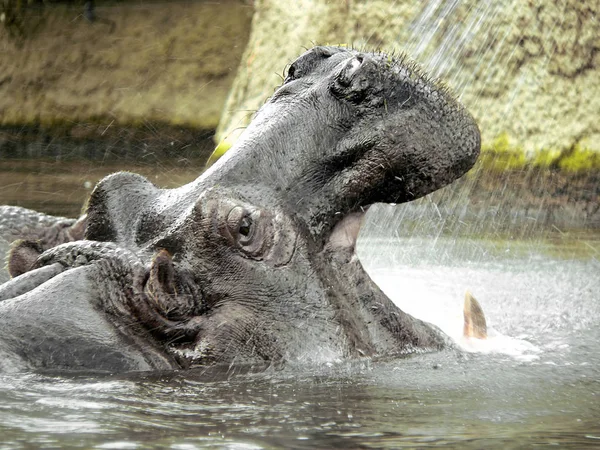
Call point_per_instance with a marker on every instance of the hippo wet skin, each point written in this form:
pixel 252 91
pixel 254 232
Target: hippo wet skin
pixel 253 262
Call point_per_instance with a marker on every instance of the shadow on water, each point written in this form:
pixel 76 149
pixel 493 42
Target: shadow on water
pixel 443 399
pixel 62 187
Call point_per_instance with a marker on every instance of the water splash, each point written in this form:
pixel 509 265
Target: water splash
pixel 412 291
pixel 537 293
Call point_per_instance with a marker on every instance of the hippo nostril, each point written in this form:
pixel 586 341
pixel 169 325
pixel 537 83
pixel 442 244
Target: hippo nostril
pixel 349 70
pixel 354 65
pixel 352 82
pixel 356 62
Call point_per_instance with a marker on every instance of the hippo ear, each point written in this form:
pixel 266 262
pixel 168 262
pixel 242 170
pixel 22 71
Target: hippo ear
pixel 168 297
pixel 161 280
pixel 22 256
pixel 76 231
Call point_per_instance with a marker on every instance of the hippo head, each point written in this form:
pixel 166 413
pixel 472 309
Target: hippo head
pixel 250 262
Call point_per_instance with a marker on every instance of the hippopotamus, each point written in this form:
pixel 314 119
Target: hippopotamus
pixel 252 263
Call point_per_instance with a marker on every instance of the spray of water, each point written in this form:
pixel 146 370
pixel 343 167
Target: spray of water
pixel 442 248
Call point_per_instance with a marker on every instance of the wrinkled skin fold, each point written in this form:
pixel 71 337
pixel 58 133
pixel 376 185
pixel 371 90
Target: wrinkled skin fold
pixel 254 261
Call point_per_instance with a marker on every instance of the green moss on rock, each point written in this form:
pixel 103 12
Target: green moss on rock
pixel 501 155
pixel 504 154
pixel 579 159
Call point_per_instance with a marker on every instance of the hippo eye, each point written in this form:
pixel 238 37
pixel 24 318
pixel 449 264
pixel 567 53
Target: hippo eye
pixel 245 225
pixel 246 230
pixel 239 224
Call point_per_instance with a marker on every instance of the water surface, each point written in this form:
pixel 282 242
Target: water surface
pixel 538 383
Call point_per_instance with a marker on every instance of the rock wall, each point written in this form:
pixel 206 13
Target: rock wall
pixel 528 71
pixel 135 64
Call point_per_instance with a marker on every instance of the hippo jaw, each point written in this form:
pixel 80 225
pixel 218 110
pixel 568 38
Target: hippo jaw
pixel 256 289
pixel 217 304
pixel 258 297
pixel 345 130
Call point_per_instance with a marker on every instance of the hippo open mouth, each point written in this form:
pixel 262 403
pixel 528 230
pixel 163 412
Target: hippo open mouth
pixel 248 263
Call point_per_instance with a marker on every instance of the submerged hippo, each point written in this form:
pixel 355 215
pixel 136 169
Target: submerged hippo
pixel 253 262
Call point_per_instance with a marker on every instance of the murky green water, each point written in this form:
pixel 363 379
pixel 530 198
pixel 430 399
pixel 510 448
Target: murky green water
pixel 536 384
pixel 61 187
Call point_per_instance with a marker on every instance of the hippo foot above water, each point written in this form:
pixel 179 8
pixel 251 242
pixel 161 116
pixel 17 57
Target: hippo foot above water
pixel 254 261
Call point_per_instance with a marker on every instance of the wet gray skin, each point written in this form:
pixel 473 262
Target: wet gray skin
pixel 253 262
